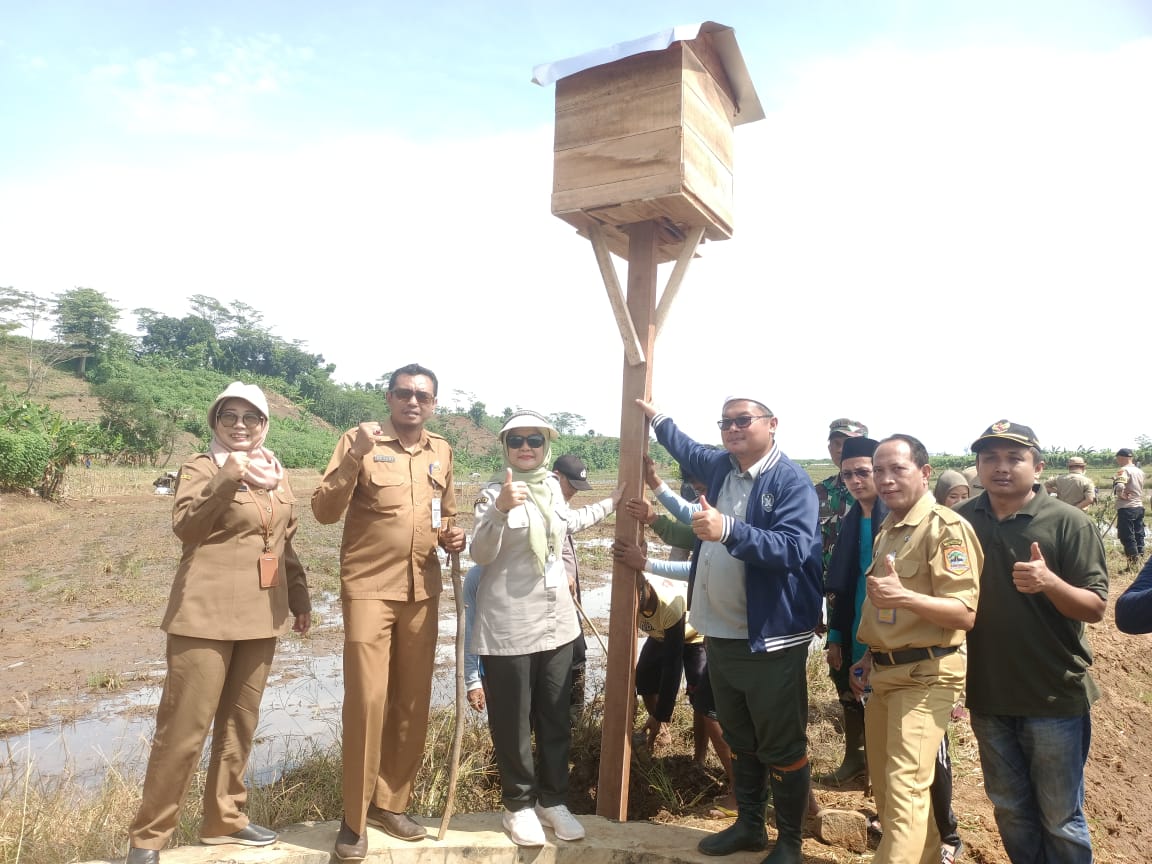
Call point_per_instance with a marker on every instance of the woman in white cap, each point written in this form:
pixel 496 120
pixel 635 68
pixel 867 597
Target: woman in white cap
pixel 238 587
pixel 524 629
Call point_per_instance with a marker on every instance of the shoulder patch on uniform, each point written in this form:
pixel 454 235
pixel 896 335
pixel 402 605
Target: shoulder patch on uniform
pixel 185 476
pixel 479 501
pixel 956 557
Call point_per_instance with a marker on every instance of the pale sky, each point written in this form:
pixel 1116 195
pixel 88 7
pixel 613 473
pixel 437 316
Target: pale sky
pixel 943 220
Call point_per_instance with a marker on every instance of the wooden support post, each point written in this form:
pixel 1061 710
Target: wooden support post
pixel 691 244
pixel 619 686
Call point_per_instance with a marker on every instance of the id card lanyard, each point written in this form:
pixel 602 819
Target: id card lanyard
pixel 269 564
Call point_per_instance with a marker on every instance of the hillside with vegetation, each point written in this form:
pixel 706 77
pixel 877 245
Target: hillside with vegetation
pixel 74 388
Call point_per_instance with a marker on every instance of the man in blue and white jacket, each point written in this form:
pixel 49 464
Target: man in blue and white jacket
pixel 755 592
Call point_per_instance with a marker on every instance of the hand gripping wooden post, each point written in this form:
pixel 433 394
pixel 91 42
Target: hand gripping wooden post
pixel 643 169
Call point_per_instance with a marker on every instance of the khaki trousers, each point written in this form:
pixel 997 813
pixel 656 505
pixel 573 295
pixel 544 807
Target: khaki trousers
pixel 210 684
pixel 904 723
pixel 389 653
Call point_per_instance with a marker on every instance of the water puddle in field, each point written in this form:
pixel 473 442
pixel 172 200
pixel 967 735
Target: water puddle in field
pixel 299 714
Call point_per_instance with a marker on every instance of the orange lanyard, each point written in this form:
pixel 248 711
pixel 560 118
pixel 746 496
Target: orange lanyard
pixel 265 524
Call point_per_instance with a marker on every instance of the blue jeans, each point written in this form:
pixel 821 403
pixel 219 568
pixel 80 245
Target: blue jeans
pixel 1034 776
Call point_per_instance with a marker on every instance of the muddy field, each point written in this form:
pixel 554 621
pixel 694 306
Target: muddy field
pixel 83 585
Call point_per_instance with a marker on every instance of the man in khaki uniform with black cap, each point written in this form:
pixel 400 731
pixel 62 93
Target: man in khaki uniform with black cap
pixel 922 589
pixel 394 479
pixel 1128 486
pixel 1074 487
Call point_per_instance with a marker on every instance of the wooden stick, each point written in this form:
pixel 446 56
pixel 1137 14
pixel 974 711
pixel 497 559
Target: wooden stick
pixel 588 620
pixel 461 698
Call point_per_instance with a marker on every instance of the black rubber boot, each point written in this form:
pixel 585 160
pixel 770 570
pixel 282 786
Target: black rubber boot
pixel 747 833
pixel 854 765
pixel 790 793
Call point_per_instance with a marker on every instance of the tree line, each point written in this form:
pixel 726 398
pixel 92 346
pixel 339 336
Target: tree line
pixel 157 384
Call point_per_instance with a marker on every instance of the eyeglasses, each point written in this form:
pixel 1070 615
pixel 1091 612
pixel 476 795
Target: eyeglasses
pixel 740 422
pixel 859 473
pixel 404 394
pixel 535 440
pixel 229 418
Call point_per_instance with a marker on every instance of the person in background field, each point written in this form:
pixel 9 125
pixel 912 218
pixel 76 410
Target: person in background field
pixel 833 495
pixel 394 480
pixel 1074 487
pixel 1029 693
pixel 1134 606
pixel 662 617
pixel 971 475
pixel 951 488
pixel 572 475
pixel 1128 485
pixel 238 587
pixel 524 629
pixel 755 592
pixel 921 598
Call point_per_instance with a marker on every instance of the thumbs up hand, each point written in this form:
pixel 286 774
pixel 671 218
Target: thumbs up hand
pixel 1032 576
pixel 883 585
pixel 512 493
pixel 707 522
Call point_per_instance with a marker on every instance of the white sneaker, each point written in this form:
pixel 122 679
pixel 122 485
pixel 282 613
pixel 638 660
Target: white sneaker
pixel 561 820
pixel 523 827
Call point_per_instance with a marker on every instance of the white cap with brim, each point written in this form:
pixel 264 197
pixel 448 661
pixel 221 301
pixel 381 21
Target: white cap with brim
pixel 238 390
pixel 755 399
pixel 524 419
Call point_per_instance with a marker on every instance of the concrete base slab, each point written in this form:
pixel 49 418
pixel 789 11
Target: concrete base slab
pixel 471 837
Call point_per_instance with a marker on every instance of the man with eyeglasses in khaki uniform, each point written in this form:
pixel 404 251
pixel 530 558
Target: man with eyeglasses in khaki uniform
pixel 394 479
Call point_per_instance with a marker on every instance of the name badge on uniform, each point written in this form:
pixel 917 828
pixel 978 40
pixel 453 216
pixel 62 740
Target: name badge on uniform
pixel 434 469
pixel 381 458
pixel 886 616
pixel 435 512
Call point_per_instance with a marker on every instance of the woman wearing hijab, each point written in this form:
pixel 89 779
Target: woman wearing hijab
pixel 239 586
pixel 524 629
pixel 951 488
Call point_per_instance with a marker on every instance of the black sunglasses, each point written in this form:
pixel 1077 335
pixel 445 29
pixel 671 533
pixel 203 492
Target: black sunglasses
pixel 405 394
pixel 740 422
pixel 535 440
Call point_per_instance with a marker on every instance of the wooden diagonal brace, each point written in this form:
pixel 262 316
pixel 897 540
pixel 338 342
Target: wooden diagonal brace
pixel 633 351
pixel 687 251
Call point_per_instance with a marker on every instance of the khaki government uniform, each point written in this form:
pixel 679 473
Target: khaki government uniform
pixel 1071 488
pixel 937 554
pixel 222 628
pixel 390 586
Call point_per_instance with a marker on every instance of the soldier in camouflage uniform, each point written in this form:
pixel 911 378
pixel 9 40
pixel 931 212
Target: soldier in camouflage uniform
pixel 835 499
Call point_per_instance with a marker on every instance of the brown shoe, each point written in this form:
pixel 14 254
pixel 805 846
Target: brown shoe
pixel 351 846
pixel 399 825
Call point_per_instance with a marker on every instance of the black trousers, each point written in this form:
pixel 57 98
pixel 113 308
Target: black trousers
pixel 526 692
pixel 1130 529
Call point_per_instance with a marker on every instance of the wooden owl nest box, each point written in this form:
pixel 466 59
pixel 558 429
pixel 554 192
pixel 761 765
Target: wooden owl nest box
pixel 644 133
